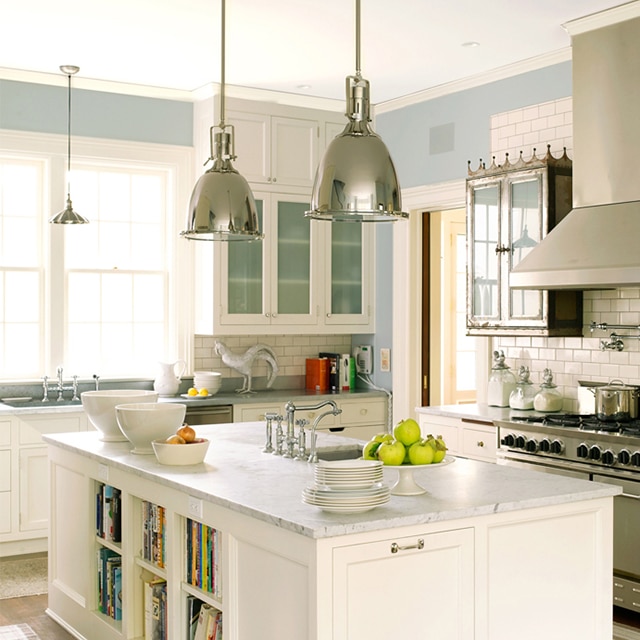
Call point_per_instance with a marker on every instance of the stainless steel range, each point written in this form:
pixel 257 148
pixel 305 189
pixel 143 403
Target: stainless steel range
pixel 584 447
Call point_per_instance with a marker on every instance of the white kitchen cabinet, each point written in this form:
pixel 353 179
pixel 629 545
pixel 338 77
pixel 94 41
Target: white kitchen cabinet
pixel 424 584
pixel 361 418
pixel 475 439
pixel 24 479
pixel 510 208
pixel 274 149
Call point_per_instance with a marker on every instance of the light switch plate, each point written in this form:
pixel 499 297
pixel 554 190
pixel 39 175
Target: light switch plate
pixel 195 507
pixel 103 472
pixel 385 360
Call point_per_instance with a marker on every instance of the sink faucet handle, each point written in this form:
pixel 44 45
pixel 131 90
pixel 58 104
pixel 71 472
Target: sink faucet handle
pixel 75 389
pixel 96 377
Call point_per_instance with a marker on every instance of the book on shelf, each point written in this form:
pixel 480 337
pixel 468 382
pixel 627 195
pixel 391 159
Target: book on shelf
pixel 193 612
pixel 109 582
pixel 209 626
pixel 108 512
pixel 334 370
pixel 155 591
pixel 154 521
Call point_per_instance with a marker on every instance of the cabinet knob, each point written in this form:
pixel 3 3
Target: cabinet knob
pixel 267 315
pixel 480 443
pixel 363 411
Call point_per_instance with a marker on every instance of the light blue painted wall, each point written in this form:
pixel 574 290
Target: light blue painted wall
pixel 406 134
pixel 42 108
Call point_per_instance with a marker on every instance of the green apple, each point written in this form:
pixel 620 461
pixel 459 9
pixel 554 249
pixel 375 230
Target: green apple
pixel 421 452
pixel 391 453
pixel 370 451
pixel 382 437
pixel 407 431
pixel 438 446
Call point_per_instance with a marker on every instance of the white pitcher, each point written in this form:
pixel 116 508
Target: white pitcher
pixel 168 381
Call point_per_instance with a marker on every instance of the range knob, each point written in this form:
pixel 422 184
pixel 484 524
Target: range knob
pixel 520 442
pixel 608 458
pixel 582 451
pixel 635 459
pixel 557 446
pixel 595 452
pixel 531 445
pixel 624 457
pixel 545 445
pixel 509 440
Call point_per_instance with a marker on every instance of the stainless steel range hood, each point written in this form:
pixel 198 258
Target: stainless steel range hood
pixel 597 245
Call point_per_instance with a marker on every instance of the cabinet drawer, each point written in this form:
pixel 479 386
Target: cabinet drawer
pixel 479 443
pixel 363 412
pixel 31 429
pixel 5 470
pixel 251 413
pixel 450 434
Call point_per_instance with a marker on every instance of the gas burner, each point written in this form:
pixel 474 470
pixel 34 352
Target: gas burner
pixel 583 422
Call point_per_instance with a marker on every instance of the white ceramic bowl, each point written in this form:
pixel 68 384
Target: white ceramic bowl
pixel 142 423
pixel 100 406
pixel 181 454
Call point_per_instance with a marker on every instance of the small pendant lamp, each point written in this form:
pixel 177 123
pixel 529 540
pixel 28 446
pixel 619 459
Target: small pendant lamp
pixel 68 215
pixel 222 206
pixel 356 180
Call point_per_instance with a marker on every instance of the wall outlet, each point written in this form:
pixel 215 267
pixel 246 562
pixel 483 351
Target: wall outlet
pixel 385 359
pixel 196 507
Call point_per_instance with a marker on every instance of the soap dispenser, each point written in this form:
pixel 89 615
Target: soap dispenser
pixel 522 396
pixel 548 399
pixel 501 382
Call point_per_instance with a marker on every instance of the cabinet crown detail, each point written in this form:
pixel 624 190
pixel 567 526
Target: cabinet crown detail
pixel 533 163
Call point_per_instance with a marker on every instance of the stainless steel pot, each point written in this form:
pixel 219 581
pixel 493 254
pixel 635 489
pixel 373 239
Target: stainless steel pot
pixel 616 401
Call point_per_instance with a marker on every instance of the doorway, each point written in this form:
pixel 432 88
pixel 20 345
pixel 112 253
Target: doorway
pixel 448 354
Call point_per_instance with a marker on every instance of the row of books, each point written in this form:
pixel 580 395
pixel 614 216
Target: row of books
pixel 203 544
pixel 108 513
pixel 154 525
pixel 110 583
pixel 155 609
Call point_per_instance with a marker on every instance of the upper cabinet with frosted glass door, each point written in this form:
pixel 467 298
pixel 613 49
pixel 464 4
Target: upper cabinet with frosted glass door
pixel 510 208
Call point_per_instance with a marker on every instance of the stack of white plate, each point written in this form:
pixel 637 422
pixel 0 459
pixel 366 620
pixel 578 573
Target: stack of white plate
pixel 347 486
pixel 209 380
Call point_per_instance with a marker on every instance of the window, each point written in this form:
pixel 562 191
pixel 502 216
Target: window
pixel 101 298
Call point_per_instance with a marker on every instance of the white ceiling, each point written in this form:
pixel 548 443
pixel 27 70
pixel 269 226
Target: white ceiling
pixel 281 45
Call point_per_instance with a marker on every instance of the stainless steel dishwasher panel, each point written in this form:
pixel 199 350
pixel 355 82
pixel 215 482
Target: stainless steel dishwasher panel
pixel 220 414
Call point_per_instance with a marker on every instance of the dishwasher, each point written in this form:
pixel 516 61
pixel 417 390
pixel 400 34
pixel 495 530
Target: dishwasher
pixel 220 414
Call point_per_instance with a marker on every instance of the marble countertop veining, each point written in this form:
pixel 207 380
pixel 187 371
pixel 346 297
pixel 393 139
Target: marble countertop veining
pixel 481 412
pixel 237 475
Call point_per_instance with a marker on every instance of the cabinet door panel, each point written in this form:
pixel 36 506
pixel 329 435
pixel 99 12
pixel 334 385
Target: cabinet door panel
pixel 294 151
pixel 414 593
pixel 34 489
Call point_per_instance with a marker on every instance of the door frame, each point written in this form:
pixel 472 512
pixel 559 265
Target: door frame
pixel 407 293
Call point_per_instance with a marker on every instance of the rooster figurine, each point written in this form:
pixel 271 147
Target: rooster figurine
pixel 243 363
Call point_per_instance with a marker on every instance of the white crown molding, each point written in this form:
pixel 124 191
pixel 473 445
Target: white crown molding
pixel 508 71
pixel 604 18
pixel 437 197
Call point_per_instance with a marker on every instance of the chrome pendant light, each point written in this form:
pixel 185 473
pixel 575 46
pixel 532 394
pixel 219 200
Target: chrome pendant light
pixel 356 180
pixel 68 215
pixel 222 206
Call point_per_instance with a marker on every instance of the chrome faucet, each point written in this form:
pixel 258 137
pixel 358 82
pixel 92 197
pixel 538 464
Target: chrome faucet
pixel 291 441
pixel 59 387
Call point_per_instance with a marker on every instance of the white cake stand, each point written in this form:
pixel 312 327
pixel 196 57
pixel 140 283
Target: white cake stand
pixel 406 484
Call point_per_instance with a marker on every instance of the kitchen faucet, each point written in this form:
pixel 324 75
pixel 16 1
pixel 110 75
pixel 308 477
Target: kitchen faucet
pixel 291 441
pixel 59 387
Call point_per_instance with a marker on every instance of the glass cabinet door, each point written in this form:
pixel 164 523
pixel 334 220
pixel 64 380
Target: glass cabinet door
pixel 484 242
pixel 245 273
pixel 525 232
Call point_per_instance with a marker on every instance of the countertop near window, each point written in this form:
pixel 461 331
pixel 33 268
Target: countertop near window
pixel 238 476
pixel 279 396
pixel 481 412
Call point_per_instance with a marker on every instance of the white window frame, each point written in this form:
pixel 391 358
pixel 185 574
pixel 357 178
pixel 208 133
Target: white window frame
pixel 178 162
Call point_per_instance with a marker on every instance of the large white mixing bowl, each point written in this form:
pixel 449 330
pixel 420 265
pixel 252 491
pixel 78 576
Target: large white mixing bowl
pixel 100 406
pixel 142 423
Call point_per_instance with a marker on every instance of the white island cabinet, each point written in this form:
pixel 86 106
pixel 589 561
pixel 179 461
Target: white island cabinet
pixel 485 549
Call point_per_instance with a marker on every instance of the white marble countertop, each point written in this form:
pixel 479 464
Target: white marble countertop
pixel 237 475
pixel 480 412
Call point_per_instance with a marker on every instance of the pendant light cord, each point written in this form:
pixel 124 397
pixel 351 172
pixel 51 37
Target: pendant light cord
pixel 222 65
pixel 69 136
pixel 358 69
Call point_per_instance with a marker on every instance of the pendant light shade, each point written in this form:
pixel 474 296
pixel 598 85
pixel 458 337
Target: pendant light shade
pixel 222 206
pixel 68 215
pixel 356 180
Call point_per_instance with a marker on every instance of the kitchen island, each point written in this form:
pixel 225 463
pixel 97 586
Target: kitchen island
pixel 486 553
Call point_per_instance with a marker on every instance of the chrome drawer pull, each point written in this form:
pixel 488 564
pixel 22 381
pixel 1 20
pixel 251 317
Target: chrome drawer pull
pixel 395 547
